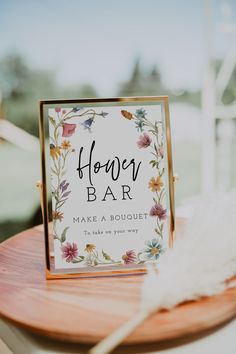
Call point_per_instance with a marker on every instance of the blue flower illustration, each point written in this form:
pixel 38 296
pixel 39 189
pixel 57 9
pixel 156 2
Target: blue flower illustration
pixel 139 125
pixel 140 113
pixel 87 123
pixel 154 248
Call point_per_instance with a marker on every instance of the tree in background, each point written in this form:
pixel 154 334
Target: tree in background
pixel 149 83
pixel 22 87
pixel 141 83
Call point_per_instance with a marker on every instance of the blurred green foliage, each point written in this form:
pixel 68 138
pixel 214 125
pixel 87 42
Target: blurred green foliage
pixel 22 87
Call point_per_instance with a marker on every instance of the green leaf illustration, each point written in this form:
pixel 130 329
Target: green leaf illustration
pixel 56 237
pixel 55 173
pixel 106 256
pixel 63 235
pixel 52 121
pixel 152 161
pixel 77 260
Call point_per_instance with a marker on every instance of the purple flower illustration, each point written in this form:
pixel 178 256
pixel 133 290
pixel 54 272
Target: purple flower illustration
pixel 144 141
pixel 58 109
pixel 64 187
pixel 76 109
pixel 69 251
pixel 66 194
pixel 129 257
pixel 159 211
pixel 62 183
pixel 68 129
pixel 87 123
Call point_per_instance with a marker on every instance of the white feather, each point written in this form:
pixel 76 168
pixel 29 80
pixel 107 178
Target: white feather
pixel 202 259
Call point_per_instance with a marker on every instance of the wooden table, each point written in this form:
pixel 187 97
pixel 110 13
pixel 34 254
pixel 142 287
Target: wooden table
pixel 87 310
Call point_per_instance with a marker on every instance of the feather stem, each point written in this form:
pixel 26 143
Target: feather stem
pixel 115 338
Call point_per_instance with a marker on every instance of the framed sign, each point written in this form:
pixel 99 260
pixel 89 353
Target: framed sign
pixel 107 184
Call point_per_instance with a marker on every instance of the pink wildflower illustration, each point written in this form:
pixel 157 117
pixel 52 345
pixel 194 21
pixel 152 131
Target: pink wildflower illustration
pixel 144 141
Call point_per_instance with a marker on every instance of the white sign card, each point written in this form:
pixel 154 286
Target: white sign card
pixel 107 169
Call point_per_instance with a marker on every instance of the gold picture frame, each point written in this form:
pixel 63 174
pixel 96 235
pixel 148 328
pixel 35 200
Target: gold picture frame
pixel 44 106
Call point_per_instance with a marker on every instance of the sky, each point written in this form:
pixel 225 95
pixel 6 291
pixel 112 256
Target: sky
pixel 97 41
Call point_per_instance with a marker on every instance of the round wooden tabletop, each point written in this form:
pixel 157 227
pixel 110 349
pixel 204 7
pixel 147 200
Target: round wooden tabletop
pixel 87 310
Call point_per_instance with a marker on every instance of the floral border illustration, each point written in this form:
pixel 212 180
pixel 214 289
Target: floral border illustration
pixel 60 150
pixel 152 139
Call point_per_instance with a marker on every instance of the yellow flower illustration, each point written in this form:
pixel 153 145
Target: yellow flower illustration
pixel 154 251
pixel 155 184
pixel 65 144
pixel 90 247
pixel 54 151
